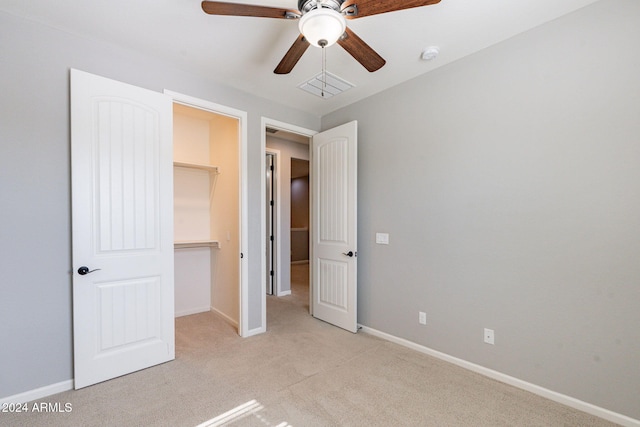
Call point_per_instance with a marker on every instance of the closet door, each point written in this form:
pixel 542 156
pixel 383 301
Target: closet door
pixel 122 197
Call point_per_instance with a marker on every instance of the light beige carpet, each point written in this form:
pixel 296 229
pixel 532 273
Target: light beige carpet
pixel 302 372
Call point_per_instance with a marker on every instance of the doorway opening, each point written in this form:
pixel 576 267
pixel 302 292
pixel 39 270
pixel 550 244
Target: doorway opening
pixel 209 210
pixel 333 226
pixel 300 219
pixel 286 249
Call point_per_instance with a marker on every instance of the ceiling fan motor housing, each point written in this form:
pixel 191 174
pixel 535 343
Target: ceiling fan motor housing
pixel 322 25
pixel 305 6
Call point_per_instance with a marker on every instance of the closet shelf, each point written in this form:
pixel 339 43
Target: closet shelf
pixel 212 169
pixel 183 244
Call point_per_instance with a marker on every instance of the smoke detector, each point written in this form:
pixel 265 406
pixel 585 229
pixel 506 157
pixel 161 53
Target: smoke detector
pixel 430 53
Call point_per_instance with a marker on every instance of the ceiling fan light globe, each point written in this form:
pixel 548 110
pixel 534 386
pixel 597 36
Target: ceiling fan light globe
pixel 322 27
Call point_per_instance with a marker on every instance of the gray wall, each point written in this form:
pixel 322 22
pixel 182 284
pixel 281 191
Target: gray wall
pixel 509 182
pixel 35 233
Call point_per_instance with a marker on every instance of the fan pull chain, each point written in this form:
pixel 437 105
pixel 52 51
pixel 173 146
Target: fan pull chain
pixel 323 44
pixel 324 70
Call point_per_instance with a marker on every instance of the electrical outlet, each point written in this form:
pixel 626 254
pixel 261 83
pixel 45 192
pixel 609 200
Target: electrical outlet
pixel 422 317
pixel 488 336
pixel 382 238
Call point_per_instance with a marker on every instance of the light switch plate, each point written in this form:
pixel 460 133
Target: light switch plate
pixel 382 238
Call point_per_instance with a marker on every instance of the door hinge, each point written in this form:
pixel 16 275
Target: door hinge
pixel 271 238
pixel 241 255
pixel 271 167
pixel 271 273
pixel 271 202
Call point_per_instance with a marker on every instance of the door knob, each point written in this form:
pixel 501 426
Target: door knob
pixel 349 254
pixel 85 270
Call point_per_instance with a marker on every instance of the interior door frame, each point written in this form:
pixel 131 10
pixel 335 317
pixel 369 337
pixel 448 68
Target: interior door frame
pixel 277 291
pixel 241 116
pixel 274 124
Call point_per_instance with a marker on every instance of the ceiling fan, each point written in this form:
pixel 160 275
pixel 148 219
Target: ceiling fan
pixel 321 23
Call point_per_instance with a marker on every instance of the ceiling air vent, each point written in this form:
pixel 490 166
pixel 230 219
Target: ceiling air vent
pixel 334 85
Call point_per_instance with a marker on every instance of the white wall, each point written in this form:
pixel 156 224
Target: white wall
pixel 193 273
pixel 509 182
pixel 35 237
pixel 225 217
pixel 192 210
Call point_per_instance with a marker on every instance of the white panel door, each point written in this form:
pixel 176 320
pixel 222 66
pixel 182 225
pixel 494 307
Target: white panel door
pixel 334 226
pixel 122 223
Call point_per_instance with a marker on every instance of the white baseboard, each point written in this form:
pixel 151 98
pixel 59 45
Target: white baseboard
pixel 284 293
pixel 192 311
pixel 521 384
pixel 302 261
pixel 38 393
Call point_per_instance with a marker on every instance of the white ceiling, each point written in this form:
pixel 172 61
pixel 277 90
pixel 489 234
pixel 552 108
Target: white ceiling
pixel 243 51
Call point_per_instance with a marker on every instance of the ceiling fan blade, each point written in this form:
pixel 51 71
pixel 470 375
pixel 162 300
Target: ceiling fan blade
pixel 292 56
pixel 237 9
pixel 361 51
pixel 360 8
